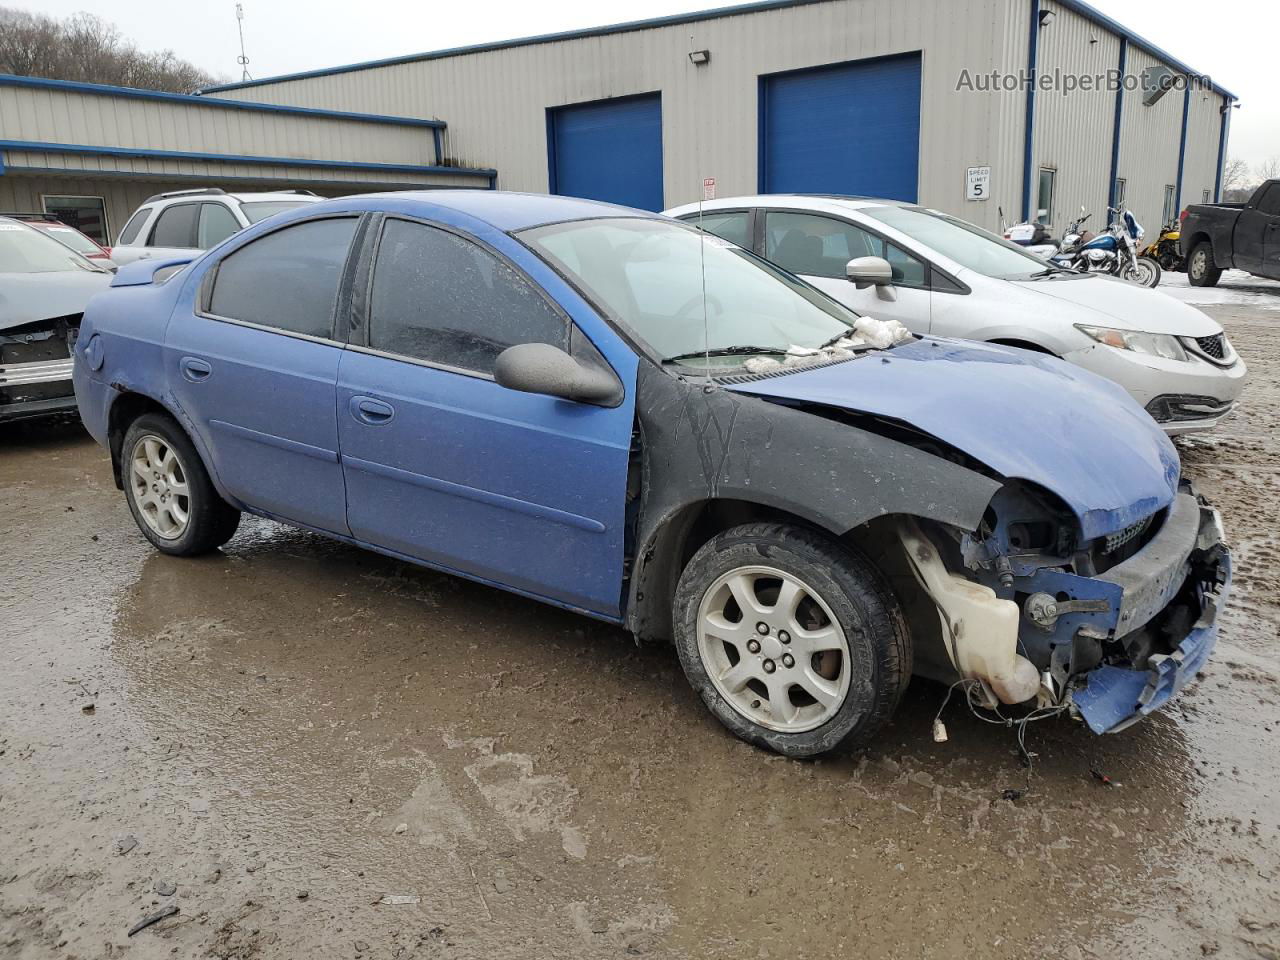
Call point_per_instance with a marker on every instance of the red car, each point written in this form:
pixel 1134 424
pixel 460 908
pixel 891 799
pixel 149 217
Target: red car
pixel 67 234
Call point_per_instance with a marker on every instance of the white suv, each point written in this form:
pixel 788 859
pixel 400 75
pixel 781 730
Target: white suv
pixel 174 224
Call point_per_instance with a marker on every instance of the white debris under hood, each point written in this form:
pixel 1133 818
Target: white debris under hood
pixel 867 332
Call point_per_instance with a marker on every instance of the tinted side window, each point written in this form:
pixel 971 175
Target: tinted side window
pixel 135 223
pixel 816 246
pixel 439 298
pixel 1270 202
pixel 176 226
pixel 288 279
pixel 216 224
pixel 734 227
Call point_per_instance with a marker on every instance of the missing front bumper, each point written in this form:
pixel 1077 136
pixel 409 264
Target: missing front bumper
pixel 1113 697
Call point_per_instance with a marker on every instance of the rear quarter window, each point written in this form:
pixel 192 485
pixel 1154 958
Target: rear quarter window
pixel 131 229
pixel 287 279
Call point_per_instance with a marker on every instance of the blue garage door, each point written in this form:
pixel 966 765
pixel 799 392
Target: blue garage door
pixel 610 150
pixel 854 128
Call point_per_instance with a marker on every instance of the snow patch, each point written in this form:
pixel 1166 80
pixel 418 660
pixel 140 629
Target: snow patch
pixel 867 332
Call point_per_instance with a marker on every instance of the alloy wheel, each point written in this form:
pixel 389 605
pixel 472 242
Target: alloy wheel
pixel 159 485
pixel 773 649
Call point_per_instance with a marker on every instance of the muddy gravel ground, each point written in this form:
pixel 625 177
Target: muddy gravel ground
pixel 275 738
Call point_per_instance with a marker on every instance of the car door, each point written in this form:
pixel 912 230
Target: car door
pixel 817 247
pixel 173 233
pixel 1249 238
pixel 1268 220
pixel 444 465
pixel 253 361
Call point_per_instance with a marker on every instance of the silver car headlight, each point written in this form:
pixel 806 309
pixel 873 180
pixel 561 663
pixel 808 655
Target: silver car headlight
pixel 1153 344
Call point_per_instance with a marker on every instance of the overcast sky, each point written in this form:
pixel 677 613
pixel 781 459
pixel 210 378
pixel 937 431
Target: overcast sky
pixel 1234 41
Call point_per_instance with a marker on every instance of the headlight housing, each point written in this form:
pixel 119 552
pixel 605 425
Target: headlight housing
pixel 1152 344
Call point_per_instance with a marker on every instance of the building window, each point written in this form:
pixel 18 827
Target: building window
pixel 1121 183
pixel 86 214
pixel 1044 196
pixel 1170 203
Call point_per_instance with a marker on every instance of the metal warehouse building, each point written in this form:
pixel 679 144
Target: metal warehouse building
pixel 959 104
pixel 93 153
pixel 840 96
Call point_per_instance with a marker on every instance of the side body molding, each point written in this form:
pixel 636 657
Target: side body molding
pixel 701 442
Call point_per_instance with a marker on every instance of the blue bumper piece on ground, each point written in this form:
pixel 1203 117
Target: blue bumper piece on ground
pixel 1115 697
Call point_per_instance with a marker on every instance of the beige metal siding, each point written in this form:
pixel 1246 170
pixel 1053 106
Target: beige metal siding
pixel 1204 126
pixel 496 100
pixel 75 117
pixel 1073 129
pixel 1149 139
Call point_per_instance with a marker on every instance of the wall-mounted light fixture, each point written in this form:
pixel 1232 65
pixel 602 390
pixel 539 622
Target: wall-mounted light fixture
pixel 699 57
pixel 1046 17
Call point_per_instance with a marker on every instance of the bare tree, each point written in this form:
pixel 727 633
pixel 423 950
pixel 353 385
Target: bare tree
pixel 89 49
pixel 1235 174
pixel 1269 169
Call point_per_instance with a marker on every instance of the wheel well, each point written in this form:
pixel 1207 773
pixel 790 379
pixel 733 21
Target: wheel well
pixel 1024 345
pixel 1197 239
pixel 127 408
pixel 669 549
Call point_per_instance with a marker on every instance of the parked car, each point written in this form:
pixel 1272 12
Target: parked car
pixel 67 234
pixel 44 286
pixel 1243 236
pixel 951 278
pixel 611 412
pixel 173 224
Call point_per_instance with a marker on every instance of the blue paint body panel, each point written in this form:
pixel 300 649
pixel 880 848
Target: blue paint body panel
pixel 1024 415
pixel 1115 696
pixel 608 150
pixel 852 128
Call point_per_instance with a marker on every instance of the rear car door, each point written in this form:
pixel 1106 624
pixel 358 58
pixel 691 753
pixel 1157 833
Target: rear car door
pixel 1268 214
pixel 444 465
pixel 255 366
pixel 1253 227
pixel 818 248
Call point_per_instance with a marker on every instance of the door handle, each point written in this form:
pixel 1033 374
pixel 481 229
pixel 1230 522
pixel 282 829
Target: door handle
pixel 371 411
pixel 195 369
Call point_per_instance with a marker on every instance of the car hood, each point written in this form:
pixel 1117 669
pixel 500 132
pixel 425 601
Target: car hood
pixel 1022 414
pixel 1124 304
pixel 29 297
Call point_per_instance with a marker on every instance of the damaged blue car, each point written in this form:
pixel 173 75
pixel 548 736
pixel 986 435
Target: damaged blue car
pixel 615 413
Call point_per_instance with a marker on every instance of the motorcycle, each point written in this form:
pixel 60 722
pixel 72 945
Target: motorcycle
pixel 1114 252
pixel 1165 250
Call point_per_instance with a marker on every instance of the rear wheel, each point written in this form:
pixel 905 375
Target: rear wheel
pixel 1200 267
pixel 169 492
pixel 792 640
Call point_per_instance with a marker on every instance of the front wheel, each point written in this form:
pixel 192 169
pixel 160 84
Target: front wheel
pixel 792 640
pixel 1145 272
pixel 1201 271
pixel 170 495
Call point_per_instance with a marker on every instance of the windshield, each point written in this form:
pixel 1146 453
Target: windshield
pixel 25 249
pixel 74 239
pixel 964 243
pixel 649 274
pixel 255 210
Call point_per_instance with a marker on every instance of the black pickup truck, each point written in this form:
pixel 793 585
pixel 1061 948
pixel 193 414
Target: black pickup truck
pixel 1246 236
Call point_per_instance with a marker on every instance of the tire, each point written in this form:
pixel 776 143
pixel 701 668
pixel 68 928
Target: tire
pixel 848 641
pixel 1201 271
pixel 169 492
pixel 1145 274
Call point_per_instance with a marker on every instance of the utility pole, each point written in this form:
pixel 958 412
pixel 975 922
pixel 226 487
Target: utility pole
pixel 242 59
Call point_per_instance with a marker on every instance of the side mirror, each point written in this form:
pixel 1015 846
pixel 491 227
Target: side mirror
pixel 542 368
pixel 865 272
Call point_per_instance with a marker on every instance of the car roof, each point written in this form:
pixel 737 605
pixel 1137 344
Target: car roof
pixel 274 195
pixel 500 209
pixel 818 202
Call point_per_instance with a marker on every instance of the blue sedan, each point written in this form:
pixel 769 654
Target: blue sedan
pixel 616 413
